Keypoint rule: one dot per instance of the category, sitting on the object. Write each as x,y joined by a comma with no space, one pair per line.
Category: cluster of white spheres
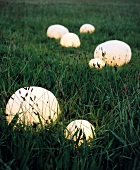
113,52
96,63
32,104
56,31
70,40
87,28
78,129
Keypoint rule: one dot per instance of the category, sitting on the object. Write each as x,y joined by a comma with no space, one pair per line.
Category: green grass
108,98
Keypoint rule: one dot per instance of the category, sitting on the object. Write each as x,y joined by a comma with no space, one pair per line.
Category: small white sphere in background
33,104
77,129
96,63
56,31
113,52
87,28
70,40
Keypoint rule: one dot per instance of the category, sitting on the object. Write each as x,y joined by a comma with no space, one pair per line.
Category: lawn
108,98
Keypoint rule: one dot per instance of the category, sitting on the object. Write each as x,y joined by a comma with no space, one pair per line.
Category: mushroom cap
70,40
73,130
113,52
56,31
33,104
87,28
96,63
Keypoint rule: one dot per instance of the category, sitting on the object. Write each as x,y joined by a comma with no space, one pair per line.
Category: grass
108,98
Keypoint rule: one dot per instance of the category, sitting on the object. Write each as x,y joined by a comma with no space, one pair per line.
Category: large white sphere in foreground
70,40
113,52
32,103
56,31
96,63
74,129
87,28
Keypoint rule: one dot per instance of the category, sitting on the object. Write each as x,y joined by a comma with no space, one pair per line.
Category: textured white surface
87,28
56,31
73,130
32,103
113,52
70,40
96,63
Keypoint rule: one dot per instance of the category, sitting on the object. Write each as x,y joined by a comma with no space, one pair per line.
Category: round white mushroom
113,52
87,28
56,31
78,129
96,63
34,105
70,40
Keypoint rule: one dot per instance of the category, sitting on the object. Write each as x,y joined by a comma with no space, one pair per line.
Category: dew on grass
39,101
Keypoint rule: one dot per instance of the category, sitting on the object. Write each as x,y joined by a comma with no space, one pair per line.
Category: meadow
108,98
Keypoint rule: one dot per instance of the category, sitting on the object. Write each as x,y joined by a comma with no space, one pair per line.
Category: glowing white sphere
74,129
96,63
70,40
113,52
87,28
33,104
56,31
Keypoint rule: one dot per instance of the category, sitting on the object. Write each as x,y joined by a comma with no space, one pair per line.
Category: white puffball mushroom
32,104
113,52
87,28
70,40
96,63
56,31
77,129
